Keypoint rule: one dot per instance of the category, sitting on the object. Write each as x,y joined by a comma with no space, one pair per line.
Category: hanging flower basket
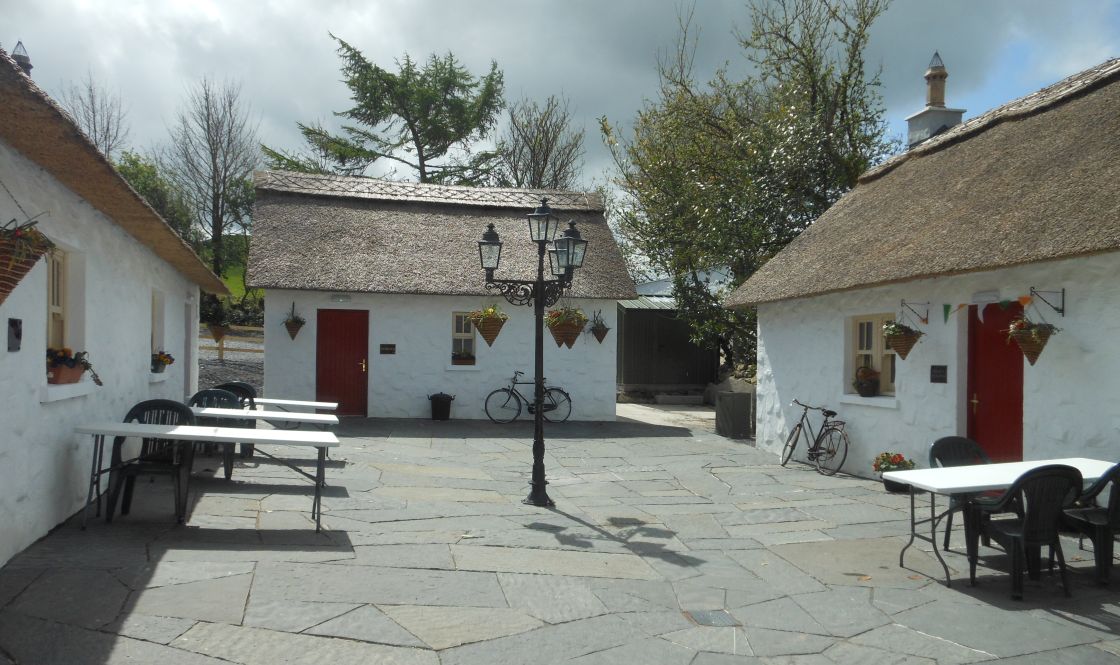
489,321
294,322
565,324
217,331
21,246
599,327
1030,336
901,337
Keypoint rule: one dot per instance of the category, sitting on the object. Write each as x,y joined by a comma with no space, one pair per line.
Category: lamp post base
538,496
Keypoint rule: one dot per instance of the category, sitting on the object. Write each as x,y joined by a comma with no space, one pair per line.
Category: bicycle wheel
502,406
557,405
832,452
791,443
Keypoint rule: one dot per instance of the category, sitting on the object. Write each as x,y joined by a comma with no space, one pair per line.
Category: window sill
462,368
880,402
58,392
157,378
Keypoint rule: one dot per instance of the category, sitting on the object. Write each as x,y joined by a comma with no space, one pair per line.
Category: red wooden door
995,384
341,360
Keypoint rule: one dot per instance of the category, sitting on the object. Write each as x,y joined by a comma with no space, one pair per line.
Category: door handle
975,402
363,364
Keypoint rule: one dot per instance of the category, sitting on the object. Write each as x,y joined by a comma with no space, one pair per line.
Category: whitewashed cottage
120,285
384,273
1016,208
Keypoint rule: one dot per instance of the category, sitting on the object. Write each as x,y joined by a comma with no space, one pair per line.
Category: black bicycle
504,404
827,448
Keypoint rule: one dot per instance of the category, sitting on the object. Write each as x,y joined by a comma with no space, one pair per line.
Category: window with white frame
869,348
56,299
462,339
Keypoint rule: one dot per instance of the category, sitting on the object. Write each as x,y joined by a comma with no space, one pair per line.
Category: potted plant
565,324
21,246
214,314
892,462
1030,336
462,358
65,366
489,321
293,322
599,327
901,337
866,382
160,361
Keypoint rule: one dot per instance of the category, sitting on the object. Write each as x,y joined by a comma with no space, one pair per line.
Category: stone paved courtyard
428,557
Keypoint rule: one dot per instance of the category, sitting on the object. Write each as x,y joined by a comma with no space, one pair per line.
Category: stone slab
256,646
445,627
552,599
551,562
206,600
368,624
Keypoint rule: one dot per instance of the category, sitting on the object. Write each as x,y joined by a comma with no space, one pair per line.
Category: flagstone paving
428,556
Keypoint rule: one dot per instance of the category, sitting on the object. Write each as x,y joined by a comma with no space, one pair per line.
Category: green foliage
725,174
144,175
416,117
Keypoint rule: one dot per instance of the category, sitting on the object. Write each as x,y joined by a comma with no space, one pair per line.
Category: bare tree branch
99,113
540,149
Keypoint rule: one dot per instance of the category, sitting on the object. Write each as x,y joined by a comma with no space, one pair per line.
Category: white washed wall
1070,402
420,326
44,467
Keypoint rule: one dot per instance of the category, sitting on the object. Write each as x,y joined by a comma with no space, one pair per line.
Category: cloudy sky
601,54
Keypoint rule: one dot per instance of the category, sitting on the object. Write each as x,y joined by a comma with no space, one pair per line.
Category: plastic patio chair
1043,494
955,451
1099,523
157,456
247,395
222,399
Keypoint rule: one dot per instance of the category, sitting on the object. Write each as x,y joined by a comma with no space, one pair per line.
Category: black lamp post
565,256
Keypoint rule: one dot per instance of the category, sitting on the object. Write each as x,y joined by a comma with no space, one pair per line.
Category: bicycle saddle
827,413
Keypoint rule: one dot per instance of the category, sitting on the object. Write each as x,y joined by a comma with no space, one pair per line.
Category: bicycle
829,446
504,404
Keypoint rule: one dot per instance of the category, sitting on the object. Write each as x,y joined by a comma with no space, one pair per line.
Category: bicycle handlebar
814,408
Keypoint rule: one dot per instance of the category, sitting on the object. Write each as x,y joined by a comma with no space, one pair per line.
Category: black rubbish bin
733,414
441,406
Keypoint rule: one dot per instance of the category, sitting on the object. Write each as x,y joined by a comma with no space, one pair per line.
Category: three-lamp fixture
565,255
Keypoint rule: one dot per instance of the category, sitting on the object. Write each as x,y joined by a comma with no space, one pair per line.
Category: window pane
468,346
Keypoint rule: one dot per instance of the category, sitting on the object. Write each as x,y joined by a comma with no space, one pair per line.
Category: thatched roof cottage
384,273
1014,213
120,284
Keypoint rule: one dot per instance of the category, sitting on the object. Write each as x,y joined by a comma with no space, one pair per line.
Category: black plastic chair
955,451
247,395
1099,523
1043,494
221,399
157,456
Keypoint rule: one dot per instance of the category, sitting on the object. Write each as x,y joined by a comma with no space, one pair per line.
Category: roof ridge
325,184
1036,102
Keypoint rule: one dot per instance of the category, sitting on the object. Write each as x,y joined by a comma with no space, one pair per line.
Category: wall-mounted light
340,297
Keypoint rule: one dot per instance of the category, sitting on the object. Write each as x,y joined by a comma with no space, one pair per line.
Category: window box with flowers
65,366
160,361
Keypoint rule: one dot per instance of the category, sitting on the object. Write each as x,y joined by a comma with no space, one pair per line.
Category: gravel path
237,366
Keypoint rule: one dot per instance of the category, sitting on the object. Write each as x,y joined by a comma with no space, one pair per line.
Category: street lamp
565,256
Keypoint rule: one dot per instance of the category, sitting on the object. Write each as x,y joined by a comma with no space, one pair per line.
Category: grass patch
234,279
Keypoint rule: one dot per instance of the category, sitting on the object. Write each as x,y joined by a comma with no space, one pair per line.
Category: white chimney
934,118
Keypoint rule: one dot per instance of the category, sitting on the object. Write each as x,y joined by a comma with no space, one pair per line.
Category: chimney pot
19,54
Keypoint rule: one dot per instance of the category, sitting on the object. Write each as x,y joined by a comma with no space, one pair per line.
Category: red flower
897,458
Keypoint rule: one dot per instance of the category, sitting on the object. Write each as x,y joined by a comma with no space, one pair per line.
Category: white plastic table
970,479
320,420
189,434
286,404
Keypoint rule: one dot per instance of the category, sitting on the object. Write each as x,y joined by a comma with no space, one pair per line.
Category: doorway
341,359
995,383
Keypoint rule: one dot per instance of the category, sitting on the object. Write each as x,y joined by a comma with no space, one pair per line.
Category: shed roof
1033,180
32,123
341,233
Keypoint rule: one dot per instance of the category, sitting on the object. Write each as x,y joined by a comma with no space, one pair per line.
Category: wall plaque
939,374
388,349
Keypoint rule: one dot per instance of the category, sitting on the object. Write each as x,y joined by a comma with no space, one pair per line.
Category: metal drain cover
711,618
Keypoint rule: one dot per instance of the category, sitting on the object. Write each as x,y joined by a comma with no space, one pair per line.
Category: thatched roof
32,123
1033,180
336,233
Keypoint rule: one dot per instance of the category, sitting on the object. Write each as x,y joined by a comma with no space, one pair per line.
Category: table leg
913,529
320,480
182,496
94,477
933,536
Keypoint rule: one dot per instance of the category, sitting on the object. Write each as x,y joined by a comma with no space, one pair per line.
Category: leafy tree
424,117
210,159
540,149
725,174
99,113
144,175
